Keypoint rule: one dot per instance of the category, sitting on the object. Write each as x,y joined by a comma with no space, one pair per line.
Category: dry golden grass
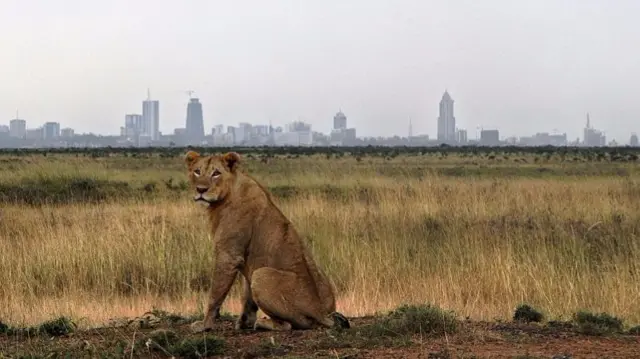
477,245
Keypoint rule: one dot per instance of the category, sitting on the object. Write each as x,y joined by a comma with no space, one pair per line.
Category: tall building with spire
195,123
446,120
593,137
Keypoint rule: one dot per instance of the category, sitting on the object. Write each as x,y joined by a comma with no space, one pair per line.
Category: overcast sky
519,66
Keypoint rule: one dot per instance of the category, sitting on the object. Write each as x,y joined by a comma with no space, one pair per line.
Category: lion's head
212,176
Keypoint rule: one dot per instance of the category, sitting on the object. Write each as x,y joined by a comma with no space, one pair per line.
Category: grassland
97,237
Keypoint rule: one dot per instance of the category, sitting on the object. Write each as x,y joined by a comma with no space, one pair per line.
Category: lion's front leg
223,279
224,275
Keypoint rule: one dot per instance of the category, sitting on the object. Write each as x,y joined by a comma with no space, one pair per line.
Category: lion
253,237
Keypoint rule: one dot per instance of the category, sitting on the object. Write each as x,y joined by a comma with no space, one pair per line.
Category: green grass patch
526,314
62,190
55,328
415,319
597,324
394,329
169,343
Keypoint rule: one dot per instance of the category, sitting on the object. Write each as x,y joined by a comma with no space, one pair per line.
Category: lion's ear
191,157
231,159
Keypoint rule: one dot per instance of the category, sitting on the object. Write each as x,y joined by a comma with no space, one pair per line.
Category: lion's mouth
200,198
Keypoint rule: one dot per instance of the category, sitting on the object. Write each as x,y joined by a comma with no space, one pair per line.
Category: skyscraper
446,120
340,121
51,130
195,122
151,118
593,137
133,126
18,128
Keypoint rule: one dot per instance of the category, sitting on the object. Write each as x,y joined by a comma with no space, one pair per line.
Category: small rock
147,321
197,326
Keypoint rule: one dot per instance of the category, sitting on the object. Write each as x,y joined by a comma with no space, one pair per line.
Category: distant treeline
591,153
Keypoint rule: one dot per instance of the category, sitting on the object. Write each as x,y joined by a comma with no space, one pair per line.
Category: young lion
252,237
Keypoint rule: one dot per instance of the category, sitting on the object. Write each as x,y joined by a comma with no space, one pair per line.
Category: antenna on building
17,114
410,128
588,121
148,94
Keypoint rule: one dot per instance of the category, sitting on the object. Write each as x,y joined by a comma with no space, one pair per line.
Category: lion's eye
197,172
216,173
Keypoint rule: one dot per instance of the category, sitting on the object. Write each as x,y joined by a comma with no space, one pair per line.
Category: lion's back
273,235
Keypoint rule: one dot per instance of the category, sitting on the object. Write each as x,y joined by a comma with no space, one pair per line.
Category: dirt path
474,340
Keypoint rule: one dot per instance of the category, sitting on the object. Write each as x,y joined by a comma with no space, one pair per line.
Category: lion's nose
201,189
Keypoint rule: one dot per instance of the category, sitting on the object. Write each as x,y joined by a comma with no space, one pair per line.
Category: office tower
446,120
151,118
195,122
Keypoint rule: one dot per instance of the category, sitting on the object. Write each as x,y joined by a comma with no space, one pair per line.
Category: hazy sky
520,66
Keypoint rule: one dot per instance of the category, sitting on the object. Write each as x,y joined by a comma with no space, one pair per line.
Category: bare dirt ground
472,340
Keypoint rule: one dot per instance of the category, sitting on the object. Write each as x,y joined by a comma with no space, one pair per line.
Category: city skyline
447,130
151,109
142,130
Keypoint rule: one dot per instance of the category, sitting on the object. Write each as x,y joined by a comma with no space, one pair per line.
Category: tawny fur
254,238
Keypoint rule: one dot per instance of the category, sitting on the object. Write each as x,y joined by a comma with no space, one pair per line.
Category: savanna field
433,249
